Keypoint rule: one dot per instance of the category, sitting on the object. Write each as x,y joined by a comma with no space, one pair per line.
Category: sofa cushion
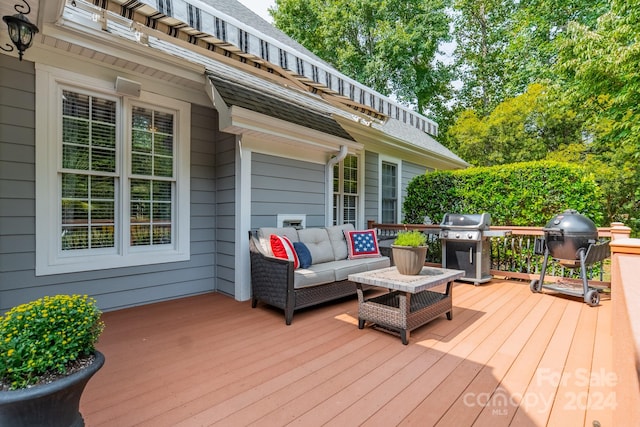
317,240
317,274
362,244
337,239
304,256
282,247
328,272
344,268
264,236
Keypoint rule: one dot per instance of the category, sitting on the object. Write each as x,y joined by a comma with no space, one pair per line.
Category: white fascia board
380,142
104,42
246,120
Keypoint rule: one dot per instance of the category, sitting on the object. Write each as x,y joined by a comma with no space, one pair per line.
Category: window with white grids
113,176
345,191
389,190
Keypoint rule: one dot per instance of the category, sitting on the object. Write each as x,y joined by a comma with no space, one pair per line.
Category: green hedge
525,194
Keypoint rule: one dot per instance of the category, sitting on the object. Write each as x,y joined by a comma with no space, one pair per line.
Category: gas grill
466,246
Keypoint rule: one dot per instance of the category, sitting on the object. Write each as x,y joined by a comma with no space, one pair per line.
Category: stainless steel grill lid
466,221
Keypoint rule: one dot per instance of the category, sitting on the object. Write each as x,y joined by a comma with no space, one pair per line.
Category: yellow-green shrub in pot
409,251
47,356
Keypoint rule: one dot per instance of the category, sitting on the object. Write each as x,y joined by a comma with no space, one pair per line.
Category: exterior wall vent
292,220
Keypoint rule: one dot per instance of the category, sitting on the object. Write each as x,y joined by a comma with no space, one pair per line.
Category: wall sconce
21,31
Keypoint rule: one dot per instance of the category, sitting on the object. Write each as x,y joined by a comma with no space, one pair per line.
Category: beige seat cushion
314,275
346,267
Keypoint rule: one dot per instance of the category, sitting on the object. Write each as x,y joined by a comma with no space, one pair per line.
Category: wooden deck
508,357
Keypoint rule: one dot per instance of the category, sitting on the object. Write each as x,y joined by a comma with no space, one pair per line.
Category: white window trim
360,222
49,259
398,162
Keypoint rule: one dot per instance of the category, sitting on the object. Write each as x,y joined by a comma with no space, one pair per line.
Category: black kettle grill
572,240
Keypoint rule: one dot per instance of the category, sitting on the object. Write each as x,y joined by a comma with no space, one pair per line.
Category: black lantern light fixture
21,30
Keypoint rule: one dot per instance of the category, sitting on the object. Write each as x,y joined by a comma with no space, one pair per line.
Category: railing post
619,231
625,299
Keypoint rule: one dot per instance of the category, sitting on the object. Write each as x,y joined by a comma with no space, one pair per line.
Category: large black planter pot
48,405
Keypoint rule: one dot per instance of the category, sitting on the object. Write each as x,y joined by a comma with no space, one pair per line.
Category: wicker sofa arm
271,278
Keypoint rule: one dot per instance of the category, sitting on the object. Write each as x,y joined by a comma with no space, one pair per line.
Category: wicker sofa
274,281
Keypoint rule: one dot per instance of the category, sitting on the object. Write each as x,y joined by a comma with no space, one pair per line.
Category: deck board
210,360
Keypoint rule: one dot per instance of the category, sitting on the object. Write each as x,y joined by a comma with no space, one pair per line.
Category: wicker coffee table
408,304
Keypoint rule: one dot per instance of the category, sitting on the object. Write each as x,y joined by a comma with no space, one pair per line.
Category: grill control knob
470,236
445,234
457,235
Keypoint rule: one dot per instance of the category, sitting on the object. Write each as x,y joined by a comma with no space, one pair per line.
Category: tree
389,46
599,68
519,129
538,27
481,33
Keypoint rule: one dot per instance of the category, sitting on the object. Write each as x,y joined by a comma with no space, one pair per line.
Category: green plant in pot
47,356
409,251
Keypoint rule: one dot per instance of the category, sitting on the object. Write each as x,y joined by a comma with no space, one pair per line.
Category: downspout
329,184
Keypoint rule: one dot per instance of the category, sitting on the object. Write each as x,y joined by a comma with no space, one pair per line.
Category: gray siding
371,191
225,170
409,171
286,186
17,176
113,288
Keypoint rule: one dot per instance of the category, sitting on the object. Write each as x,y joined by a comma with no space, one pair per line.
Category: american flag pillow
362,244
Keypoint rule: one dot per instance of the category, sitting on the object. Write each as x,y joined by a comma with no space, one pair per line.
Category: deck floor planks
451,351
501,408
364,363
445,391
472,364
574,382
541,391
188,368
467,404
223,363
237,375
603,377
284,404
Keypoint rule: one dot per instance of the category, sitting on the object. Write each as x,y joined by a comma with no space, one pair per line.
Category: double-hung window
389,189
389,179
345,191
112,183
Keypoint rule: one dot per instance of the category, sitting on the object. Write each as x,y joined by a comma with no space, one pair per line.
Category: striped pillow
282,247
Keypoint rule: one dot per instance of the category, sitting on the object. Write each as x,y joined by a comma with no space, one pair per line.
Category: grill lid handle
554,231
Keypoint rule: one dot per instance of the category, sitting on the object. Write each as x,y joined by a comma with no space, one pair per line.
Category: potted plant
47,356
409,251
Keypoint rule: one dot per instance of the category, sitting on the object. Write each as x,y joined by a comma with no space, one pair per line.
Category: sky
260,7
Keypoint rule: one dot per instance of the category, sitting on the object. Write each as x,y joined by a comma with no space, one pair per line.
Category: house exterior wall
17,177
224,210
371,190
286,186
120,287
